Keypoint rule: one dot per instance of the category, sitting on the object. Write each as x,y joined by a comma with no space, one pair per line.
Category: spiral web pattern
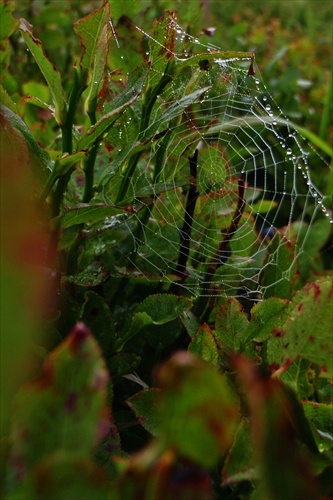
226,184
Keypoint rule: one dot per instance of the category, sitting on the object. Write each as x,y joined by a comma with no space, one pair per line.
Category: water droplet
264,98
289,152
268,107
257,81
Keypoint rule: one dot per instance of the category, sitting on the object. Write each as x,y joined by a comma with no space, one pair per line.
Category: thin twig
185,231
223,252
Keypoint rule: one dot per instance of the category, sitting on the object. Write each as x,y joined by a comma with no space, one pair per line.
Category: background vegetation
244,409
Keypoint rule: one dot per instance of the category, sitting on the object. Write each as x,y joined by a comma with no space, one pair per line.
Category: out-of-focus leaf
155,475
26,283
163,308
203,345
128,7
238,465
65,475
144,405
66,409
306,330
93,33
230,326
51,75
283,465
16,137
8,25
36,89
8,22
198,410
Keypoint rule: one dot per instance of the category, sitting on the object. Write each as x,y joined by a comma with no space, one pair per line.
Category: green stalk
148,103
67,142
89,165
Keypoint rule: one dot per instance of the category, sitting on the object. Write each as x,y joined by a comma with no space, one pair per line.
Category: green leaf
161,45
129,7
264,318
66,409
86,213
280,273
51,75
65,475
93,275
252,121
93,33
320,415
103,124
144,404
175,110
239,464
230,326
67,162
6,100
8,22
138,321
198,411
306,329
190,322
37,102
278,425
163,308
203,345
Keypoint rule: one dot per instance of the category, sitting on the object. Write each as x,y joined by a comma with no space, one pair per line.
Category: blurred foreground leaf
198,410
63,416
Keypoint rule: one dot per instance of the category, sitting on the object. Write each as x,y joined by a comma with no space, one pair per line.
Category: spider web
222,196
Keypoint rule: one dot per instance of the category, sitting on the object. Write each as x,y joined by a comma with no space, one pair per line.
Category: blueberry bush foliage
115,386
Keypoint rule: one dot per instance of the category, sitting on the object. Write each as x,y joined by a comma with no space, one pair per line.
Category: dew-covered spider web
217,187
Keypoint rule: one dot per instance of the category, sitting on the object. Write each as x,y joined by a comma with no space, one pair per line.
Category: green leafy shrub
235,397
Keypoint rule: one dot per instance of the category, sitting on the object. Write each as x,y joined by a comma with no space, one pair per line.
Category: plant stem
89,165
67,142
223,252
185,231
149,101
